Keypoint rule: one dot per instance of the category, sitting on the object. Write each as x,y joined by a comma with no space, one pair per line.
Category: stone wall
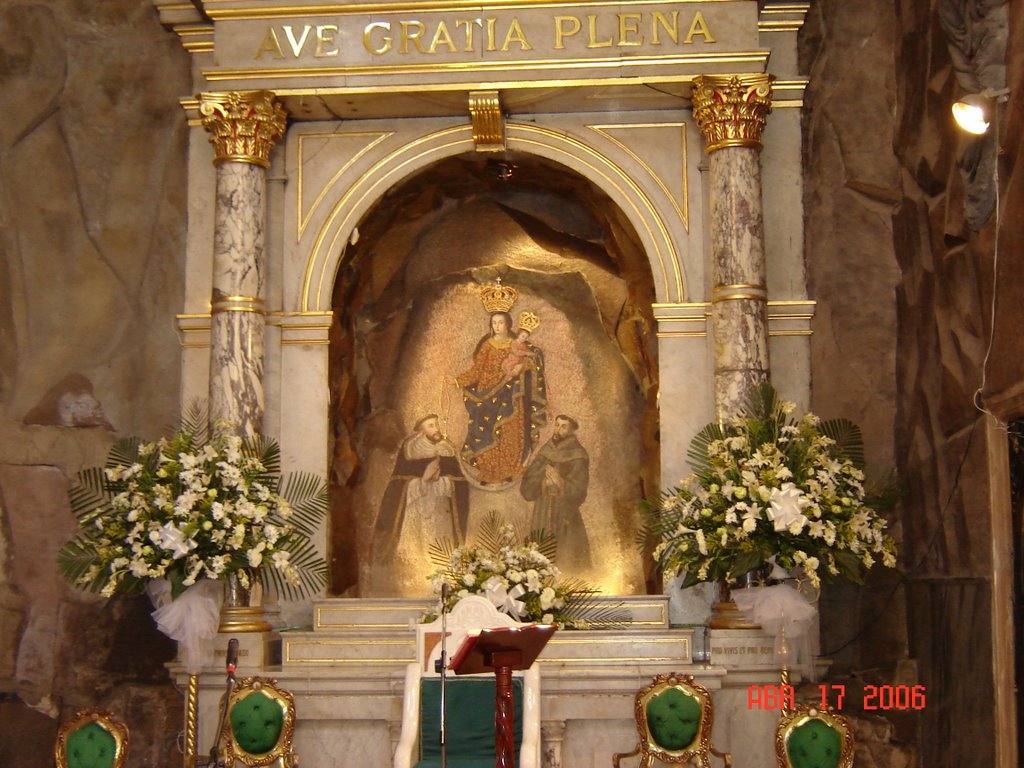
92,223
904,289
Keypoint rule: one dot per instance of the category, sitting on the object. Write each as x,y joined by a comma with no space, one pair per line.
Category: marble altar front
347,672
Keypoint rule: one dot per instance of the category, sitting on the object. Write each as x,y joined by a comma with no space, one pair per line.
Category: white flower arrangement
187,508
767,488
518,575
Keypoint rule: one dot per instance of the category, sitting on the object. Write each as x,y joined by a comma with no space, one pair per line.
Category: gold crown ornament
498,297
528,321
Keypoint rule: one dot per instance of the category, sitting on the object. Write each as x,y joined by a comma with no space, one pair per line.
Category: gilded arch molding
642,206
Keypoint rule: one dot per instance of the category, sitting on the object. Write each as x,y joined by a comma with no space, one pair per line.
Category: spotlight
503,169
975,111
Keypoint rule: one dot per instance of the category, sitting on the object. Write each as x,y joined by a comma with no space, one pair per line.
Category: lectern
502,651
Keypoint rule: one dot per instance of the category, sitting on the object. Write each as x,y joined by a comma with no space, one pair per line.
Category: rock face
92,243
408,299
92,227
900,256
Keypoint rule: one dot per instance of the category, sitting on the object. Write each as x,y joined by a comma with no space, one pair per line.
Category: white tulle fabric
191,619
784,613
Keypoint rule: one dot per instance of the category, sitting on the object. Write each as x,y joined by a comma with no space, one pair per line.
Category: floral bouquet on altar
518,575
770,489
191,507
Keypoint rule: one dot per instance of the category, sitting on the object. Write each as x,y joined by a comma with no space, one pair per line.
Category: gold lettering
561,32
442,37
516,35
671,29
592,41
699,27
629,24
385,41
324,37
469,31
491,43
270,45
297,44
412,32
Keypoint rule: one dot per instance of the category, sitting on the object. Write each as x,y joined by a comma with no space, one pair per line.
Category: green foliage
192,506
505,563
768,487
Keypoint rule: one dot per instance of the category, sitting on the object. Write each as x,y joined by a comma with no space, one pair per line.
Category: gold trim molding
739,292
244,125
731,110
488,121
237,304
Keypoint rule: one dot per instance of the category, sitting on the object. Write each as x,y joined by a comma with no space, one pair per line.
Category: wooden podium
502,651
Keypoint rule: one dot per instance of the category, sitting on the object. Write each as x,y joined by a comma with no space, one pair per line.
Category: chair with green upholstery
469,700
674,717
260,725
809,737
94,738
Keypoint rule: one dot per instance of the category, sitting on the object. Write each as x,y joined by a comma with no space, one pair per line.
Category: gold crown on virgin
529,321
498,297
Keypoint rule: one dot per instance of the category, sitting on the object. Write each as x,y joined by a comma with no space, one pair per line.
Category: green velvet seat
808,737
674,717
91,746
469,721
256,722
92,739
260,724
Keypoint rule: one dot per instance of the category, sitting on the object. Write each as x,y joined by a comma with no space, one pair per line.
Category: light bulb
971,116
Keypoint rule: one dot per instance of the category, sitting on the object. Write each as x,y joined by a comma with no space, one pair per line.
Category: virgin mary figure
504,393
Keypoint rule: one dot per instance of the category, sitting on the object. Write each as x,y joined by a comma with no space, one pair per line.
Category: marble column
730,111
244,127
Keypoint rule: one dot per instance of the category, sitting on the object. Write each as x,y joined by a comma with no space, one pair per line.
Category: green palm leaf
310,568
196,421
849,441
440,552
698,451
309,499
89,493
266,450
491,535
124,452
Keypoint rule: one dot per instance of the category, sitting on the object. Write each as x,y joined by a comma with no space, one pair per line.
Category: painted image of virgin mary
505,397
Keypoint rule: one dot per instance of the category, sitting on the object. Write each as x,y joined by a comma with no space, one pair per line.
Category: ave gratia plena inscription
488,34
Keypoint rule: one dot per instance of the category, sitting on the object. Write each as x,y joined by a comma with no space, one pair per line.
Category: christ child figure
520,351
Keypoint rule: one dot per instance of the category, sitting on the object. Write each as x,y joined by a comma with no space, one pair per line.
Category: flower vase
725,614
242,610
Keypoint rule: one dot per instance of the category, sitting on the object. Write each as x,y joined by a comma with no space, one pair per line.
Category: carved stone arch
655,228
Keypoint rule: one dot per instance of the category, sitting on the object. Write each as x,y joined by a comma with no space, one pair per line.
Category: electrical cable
979,394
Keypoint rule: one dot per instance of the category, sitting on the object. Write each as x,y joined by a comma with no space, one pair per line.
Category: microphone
440,666
232,658
231,664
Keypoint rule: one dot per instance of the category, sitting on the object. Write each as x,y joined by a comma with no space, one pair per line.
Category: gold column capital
244,125
731,109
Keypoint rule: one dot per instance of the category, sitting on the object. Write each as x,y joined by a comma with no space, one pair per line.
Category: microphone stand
216,759
441,666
